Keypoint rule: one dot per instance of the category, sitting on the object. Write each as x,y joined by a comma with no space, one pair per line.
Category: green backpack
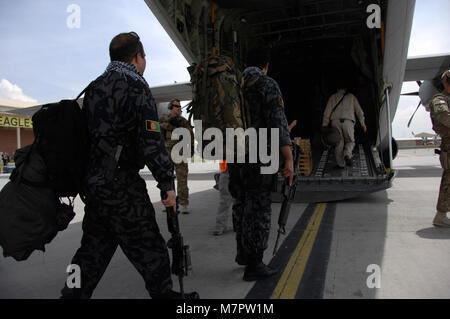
217,98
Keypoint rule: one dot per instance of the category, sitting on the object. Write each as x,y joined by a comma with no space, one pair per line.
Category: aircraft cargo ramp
328,183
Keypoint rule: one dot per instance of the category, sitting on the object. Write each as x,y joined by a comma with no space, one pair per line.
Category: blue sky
429,35
43,60
50,61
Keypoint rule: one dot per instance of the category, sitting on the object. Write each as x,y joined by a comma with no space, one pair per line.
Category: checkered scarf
127,69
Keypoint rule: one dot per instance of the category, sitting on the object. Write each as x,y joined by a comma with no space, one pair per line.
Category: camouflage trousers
132,226
252,209
181,171
443,204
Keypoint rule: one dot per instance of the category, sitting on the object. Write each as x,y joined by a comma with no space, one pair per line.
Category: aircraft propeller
414,94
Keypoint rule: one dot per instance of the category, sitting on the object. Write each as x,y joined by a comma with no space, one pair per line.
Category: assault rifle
181,257
288,193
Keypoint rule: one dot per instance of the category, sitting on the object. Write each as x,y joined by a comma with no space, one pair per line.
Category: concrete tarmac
381,245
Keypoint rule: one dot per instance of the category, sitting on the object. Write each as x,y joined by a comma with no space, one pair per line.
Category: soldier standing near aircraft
440,116
168,124
251,189
226,200
124,136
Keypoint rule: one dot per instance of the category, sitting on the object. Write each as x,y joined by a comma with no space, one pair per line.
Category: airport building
16,127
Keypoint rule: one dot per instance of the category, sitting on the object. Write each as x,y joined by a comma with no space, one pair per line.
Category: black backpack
31,212
61,138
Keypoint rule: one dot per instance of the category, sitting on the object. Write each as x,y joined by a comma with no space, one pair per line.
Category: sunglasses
446,74
176,105
135,35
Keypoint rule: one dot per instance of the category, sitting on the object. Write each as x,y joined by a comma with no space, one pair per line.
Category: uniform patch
152,126
439,104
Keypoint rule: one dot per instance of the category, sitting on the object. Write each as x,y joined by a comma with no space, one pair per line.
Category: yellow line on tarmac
290,280
406,155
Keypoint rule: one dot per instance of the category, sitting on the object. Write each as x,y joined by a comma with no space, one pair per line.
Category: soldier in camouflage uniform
169,123
251,189
440,116
124,136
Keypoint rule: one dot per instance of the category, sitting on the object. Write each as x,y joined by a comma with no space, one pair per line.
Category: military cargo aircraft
313,44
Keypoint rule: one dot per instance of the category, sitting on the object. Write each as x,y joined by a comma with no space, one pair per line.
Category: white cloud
13,92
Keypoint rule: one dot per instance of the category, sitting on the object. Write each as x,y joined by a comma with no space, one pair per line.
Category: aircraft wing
161,94
429,70
181,91
426,67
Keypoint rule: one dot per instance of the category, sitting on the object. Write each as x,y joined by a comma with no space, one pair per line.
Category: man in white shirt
341,109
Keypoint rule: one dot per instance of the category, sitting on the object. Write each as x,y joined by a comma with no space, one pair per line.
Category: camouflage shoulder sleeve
440,109
164,118
164,122
276,114
152,145
439,103
166,128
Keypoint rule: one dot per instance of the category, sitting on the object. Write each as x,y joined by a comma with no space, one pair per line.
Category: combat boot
241,257
176,295
184,209
219,230
441,220
348,160
258,271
